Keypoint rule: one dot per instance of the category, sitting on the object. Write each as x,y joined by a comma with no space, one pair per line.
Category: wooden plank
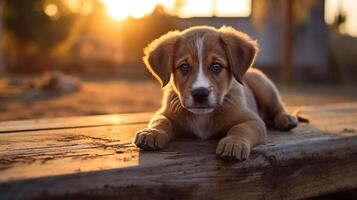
99,120
72,122
100,162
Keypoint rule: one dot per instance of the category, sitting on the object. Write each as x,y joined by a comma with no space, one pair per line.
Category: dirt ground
123,96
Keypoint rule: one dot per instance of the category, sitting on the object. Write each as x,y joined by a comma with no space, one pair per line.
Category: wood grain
72,122
100,162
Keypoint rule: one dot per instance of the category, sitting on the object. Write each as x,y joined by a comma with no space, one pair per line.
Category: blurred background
83,57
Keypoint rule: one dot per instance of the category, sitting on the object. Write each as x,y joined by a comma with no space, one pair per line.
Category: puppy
211,91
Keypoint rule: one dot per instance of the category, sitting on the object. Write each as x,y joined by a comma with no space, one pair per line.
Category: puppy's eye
184,68
216,67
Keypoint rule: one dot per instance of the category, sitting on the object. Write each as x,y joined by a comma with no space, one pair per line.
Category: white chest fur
201,126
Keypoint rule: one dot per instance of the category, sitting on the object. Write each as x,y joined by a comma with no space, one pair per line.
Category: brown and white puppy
211,91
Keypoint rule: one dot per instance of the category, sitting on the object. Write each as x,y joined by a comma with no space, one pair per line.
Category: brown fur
240,98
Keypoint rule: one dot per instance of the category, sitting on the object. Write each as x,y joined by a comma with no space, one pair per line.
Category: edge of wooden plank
73,122
113,119
274,171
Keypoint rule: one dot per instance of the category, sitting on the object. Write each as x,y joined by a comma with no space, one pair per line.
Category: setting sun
120,10
117,9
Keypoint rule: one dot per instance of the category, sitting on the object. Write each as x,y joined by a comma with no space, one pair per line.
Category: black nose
200,95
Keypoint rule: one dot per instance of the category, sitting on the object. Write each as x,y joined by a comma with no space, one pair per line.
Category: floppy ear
240,50
158,56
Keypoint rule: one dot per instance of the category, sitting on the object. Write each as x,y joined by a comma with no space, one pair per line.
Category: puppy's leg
269,101
241,138
157,135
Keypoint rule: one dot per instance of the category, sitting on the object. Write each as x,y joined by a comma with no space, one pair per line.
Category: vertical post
2,56
287,50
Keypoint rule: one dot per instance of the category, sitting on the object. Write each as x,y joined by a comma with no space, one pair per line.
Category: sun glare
51,10
120,10
116,9
219,8
333,7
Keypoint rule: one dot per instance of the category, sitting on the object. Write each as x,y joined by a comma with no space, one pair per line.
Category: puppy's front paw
151,139
233,148
285,122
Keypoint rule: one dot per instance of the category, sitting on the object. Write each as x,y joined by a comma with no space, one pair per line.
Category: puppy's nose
200,95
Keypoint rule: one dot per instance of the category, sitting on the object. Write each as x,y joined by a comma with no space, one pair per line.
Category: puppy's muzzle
200,95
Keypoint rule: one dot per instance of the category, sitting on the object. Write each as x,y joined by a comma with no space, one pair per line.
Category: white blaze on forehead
201,80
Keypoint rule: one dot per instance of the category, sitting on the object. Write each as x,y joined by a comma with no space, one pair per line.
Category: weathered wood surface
54,159
72,122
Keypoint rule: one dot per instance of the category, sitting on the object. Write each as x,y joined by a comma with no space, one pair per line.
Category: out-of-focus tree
32,26
82,10
39,31
137,33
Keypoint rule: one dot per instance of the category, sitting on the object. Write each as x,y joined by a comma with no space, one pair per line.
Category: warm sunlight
333,7
120,10
219,8
51,10
117,9
229,8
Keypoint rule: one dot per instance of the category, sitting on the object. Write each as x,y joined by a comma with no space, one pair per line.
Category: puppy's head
201,63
